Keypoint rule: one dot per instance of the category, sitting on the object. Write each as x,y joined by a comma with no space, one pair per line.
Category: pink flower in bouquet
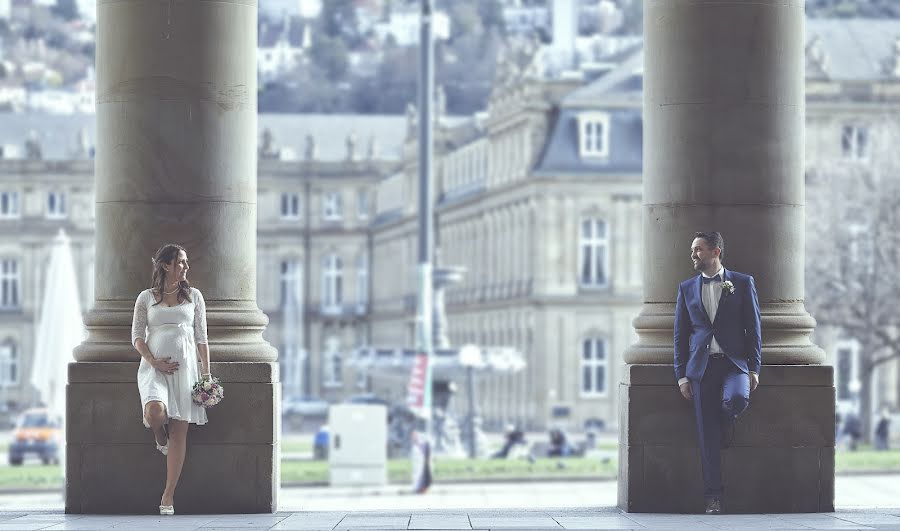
204,397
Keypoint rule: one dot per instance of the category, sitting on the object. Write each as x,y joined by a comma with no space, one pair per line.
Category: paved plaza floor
863,502
568,518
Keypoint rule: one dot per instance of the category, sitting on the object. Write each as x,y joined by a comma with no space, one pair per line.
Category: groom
717,352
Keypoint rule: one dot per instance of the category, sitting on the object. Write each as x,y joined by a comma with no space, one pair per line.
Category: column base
781,461
112,465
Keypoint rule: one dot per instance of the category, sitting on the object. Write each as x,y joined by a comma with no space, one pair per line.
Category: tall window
331,283
594,367
362,282
10,282
56,205
846,378
593,133
290,206
9,363
331,207
594,253
291,282
855,142
844,373
333,362
362,203
9,205
291,361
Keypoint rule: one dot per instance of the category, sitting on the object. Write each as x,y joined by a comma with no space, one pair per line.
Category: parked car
36,432
307,406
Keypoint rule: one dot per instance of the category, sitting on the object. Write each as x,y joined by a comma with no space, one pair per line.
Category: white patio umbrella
60,329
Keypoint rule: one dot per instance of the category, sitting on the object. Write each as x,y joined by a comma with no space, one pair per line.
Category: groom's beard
700,265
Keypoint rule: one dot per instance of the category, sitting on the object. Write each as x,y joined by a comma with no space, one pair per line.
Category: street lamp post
425,344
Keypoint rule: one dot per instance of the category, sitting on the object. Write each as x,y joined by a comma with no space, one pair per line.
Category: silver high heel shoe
167,510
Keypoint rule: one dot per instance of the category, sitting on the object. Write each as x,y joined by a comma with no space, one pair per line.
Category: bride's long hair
167,255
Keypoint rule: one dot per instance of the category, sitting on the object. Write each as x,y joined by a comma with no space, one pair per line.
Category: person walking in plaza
169,332
718,345
883,431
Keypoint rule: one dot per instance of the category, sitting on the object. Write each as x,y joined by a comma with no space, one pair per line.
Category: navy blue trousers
719,398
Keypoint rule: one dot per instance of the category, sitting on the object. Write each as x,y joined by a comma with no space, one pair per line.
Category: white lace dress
171,332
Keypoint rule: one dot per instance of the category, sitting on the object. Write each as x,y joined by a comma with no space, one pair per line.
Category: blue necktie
707,280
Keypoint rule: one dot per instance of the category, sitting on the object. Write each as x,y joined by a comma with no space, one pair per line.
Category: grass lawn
867,460
295,445
463,469
30,477
34,476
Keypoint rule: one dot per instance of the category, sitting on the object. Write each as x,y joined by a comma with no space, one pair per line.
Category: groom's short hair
713,240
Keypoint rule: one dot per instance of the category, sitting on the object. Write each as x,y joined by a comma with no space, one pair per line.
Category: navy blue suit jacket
736,328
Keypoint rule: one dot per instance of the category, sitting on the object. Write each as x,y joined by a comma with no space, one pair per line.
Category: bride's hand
165,366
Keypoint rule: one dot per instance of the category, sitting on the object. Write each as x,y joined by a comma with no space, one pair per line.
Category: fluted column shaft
176,162
723,150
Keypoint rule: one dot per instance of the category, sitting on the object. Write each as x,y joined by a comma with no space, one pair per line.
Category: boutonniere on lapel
727,288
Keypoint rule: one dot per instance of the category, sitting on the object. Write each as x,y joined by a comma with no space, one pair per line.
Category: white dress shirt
710,293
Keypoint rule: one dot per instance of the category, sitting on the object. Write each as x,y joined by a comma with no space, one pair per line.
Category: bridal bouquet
208,392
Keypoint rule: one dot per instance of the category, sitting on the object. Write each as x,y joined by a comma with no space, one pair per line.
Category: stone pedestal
113,467
723,151
176,163
781,461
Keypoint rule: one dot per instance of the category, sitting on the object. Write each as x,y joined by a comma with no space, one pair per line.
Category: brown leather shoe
713,506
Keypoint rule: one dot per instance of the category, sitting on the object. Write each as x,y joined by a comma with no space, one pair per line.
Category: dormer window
593,135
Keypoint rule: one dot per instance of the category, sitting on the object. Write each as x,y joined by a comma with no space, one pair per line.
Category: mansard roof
58,134
856,49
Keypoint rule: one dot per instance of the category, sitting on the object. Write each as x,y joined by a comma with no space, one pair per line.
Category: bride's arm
200,332
203,351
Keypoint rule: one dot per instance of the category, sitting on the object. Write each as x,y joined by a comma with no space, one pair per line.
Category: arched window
291,282
332,279
362,282
332,361
332,208
9,363
290,206
594,250
56,205
10,282
594,367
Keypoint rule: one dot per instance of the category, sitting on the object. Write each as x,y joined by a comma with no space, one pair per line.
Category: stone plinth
113,467
781,461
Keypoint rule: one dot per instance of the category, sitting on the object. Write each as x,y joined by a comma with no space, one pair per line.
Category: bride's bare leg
155,413
175,459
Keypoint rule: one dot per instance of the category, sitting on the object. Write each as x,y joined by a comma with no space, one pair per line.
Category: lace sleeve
139,321
199,318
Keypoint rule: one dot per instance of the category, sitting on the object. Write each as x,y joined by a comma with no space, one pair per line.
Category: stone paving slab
477,519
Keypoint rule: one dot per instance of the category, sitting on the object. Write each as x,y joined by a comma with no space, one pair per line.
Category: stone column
724,145
176,162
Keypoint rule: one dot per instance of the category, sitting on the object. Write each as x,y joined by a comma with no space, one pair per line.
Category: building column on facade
176,162
724,146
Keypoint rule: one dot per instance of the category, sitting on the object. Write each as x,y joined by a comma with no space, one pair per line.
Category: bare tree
853,247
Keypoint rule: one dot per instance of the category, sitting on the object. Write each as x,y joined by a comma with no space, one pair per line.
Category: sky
277,7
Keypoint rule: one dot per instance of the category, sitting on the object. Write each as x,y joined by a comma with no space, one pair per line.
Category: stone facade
514,186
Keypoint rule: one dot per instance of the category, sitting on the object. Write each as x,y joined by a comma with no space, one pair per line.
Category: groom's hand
754,381
686,391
